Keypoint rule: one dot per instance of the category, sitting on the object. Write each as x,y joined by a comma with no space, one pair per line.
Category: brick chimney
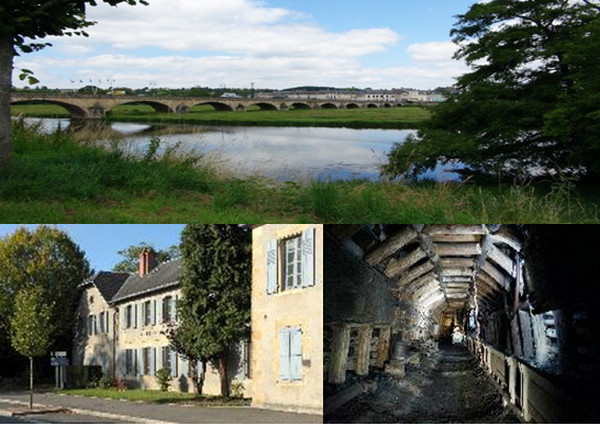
147,261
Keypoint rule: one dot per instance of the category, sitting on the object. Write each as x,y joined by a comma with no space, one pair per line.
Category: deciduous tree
31,327
131,256
529,102
23,26
214,311
48,259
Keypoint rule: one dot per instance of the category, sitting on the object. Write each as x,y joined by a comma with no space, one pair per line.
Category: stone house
287,317
121,321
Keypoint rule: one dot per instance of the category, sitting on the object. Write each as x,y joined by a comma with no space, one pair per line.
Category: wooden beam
456,238
496,274
457,272
421,281
414,273
397,266
457,262
391,246
454,229
502,260
338,361
365,333
383,349
457,249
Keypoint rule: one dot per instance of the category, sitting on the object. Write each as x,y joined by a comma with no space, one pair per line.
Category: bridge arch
352,106
372,106
76,112
329,105
301,105
266,106
218,106
157,106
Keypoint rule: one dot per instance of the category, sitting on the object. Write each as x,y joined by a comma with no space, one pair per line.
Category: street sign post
58,360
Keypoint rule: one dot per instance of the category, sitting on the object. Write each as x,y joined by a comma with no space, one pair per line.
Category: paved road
135,412
50,417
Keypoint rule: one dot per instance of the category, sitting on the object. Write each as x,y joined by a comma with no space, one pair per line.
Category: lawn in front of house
159,397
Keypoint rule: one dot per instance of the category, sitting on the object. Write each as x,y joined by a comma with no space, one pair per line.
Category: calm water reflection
282,153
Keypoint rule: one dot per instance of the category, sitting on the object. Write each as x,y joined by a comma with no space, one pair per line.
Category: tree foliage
48,260
531,99
131,256
214,311
24,24
31,324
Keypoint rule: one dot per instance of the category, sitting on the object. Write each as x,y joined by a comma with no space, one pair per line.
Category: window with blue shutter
159,312
308,257
290,354
284,354
154,363
295,354
173,357
135,315
184,371
272,267
154,312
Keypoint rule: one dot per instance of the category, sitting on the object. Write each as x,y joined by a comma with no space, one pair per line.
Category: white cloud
183,43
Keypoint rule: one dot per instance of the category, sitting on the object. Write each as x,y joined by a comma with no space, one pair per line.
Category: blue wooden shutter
184,366
140,363
175,313
272,262
284,354
135,315
153,312
159,311
308,257
295,354
173,356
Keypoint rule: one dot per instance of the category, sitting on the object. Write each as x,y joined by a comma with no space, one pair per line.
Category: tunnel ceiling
443,268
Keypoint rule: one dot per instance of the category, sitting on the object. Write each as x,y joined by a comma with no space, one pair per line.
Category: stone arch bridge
96,106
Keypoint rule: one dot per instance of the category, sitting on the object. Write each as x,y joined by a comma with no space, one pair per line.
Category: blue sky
271,43
102,242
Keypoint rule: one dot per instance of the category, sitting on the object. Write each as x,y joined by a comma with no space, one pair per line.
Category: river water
282,153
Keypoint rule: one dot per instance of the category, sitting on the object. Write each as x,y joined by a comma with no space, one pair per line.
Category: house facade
287,317
123,330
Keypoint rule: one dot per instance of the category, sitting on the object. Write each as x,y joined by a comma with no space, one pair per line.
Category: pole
30,382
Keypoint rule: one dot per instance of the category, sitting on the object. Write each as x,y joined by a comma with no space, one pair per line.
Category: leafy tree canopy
214,311
31,324
530,103
131,256
48,259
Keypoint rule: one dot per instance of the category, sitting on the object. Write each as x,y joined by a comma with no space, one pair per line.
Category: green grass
55,179
158,397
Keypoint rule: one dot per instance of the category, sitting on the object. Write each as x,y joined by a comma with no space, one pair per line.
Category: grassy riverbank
403,117
55,179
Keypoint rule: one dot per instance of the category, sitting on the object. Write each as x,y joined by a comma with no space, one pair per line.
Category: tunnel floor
448,387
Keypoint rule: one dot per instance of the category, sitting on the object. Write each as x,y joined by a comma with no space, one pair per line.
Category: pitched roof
107,283
165,275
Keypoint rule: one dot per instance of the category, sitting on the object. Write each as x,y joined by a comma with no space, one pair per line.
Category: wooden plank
455,272
456,238
414,273
457,249
502,260
391,246
496,274
383,350
363,350
338,360
421,281
397,266
454,229
457,262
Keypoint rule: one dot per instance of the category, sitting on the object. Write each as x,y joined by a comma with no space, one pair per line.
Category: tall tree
214,311
131,256
47,258
31,327
23,26
527,104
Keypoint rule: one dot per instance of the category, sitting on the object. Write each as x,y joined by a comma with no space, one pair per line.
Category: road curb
83,411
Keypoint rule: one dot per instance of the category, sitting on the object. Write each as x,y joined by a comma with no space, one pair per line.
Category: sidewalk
140,412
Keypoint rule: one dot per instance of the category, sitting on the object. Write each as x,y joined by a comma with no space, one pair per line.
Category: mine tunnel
461,324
